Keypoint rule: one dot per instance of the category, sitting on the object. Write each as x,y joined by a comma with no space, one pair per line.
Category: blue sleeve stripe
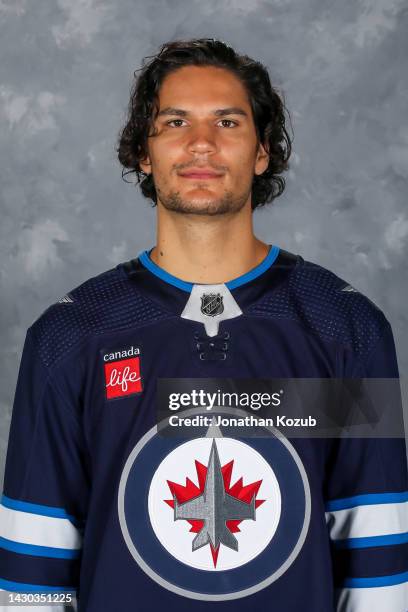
369,542
21,587
39,551
378,581
22,506
366,500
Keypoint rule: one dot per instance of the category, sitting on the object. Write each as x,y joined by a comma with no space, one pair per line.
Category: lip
200,173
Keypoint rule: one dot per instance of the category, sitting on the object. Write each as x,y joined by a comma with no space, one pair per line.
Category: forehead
202,86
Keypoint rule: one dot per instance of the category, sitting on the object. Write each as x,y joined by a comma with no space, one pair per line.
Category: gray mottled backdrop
66,70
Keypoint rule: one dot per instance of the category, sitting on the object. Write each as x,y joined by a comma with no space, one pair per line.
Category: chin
203,202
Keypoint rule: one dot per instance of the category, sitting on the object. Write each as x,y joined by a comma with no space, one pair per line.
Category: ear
146,165
262,160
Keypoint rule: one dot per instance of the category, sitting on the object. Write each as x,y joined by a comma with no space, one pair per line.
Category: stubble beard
227,204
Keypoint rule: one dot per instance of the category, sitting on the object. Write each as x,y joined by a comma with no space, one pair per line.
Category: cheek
244,166
167,145
241,154
164,156
161,162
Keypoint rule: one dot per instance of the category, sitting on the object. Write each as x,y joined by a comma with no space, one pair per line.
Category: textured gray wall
66,72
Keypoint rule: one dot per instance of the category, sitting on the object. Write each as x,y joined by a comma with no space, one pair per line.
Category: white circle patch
252,535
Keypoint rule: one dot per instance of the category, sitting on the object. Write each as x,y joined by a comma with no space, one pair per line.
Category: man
100,500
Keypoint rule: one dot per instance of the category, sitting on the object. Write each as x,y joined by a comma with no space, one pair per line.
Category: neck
207,249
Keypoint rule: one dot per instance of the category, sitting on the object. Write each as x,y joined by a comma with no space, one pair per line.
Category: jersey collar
172,293
266,263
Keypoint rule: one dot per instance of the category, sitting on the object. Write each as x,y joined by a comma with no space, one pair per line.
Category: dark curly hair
267,106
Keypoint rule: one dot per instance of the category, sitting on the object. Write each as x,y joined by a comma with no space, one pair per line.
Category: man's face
205,153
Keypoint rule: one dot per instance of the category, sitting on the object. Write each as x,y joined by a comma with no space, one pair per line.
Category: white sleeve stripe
37,530
23,506
377,599
368,521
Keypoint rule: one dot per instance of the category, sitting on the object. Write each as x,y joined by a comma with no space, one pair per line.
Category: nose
201,139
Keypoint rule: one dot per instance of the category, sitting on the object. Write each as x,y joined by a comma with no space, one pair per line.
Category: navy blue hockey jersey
98,502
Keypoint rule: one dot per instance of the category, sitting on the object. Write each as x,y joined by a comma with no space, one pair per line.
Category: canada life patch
122,370
214,518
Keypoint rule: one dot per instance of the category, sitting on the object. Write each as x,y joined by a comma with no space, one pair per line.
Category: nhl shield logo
212,304
214,518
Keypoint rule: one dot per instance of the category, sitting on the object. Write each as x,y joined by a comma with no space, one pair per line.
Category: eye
174,121
230,121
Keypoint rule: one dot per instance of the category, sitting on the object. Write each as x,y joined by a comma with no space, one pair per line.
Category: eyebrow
219,112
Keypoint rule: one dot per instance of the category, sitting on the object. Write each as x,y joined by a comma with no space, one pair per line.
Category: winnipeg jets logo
232,515
214,509
214,518
212,304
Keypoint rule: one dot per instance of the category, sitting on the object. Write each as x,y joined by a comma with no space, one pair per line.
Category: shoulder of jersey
104,303
325,305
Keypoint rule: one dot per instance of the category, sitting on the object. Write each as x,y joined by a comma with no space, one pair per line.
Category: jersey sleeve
367,509
46,485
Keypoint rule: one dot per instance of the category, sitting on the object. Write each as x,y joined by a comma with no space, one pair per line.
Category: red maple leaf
240,491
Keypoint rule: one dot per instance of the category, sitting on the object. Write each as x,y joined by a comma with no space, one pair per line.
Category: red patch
123,377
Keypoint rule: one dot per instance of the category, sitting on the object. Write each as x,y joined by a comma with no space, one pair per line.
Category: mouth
201,175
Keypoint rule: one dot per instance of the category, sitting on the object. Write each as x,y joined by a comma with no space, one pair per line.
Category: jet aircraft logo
214,509
214,517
